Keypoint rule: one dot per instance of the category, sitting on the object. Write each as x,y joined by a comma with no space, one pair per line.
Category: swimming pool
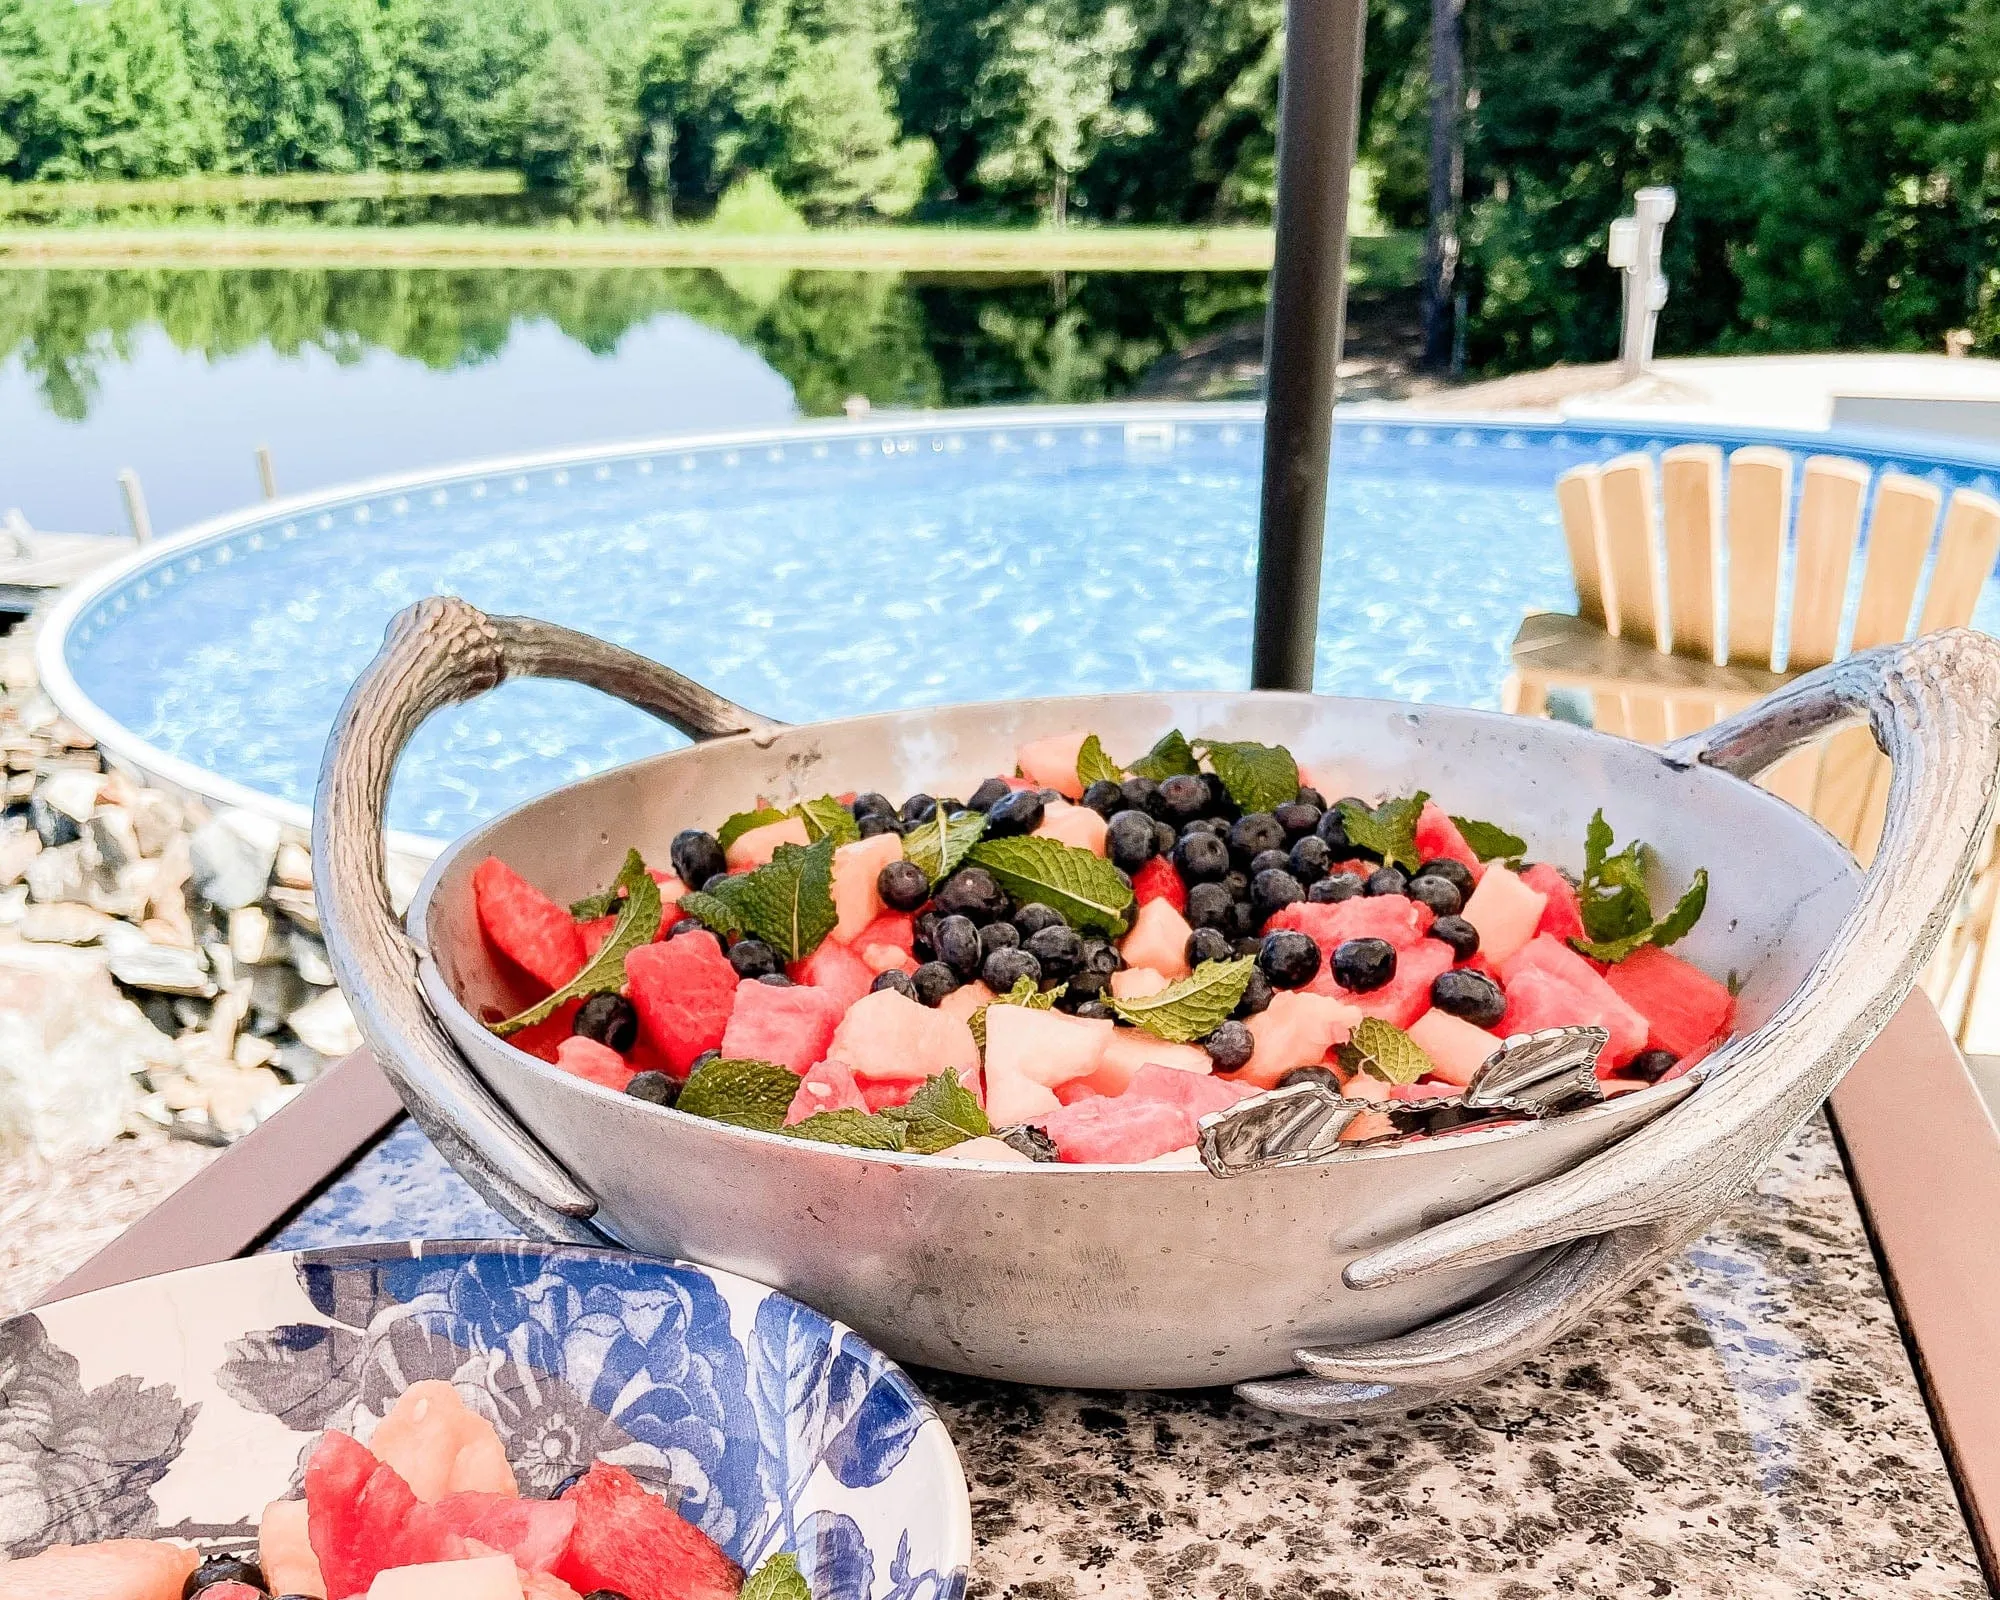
824,571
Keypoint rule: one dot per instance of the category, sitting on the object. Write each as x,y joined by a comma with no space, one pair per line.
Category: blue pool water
947,559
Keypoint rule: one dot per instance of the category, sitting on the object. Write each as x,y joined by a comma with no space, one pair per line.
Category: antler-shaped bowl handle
1934,707
439,652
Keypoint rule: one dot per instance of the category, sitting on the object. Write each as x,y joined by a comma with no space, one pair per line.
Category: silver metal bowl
1388,1275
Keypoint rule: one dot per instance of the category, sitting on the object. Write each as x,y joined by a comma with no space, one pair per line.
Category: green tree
574,134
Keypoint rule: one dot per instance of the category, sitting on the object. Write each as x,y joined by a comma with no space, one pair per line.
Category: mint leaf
1390,829
1194,1007
1612,899
746,1094
939,844
826,817
1383,1050
849,1127
1023,993
1088,890
778,1578
744,821
1488,840
788,902
1259,777
604,972
1094,766
1171,757
1674,925
592,907
939,1115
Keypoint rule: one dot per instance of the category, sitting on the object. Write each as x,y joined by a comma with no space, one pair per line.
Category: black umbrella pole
1302,336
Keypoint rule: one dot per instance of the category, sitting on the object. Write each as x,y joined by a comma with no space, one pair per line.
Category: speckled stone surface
1745,1425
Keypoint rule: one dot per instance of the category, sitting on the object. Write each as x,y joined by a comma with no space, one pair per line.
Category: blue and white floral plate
178,1406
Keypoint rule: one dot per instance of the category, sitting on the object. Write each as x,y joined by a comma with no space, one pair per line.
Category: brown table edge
1923,1156
243,1196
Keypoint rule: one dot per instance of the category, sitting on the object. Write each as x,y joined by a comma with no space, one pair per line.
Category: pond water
347,374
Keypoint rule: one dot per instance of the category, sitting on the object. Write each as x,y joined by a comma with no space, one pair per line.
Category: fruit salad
1083,958
428,1509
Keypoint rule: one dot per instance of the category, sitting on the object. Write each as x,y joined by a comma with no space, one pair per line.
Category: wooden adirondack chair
1681,579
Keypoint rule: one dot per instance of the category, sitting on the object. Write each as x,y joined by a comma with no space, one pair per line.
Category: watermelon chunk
1405,997
356,1511
889,1036
1438,837
284,1550
543,1039
534,933
1394,917
1455,1046
828,1086
533,1533
1159,940
837,969
856,900
684,990
112,1569
440,1446
594,1063
1124,1129
232,1590
1505,911
1050,763
1074,1090
790,1026
631,1540
1562,917
1130,1049
1549,953
966,999
755,846
1685,1009
1157,880
1539,998
1296,1029
1136,983
1076,826
1046,1047
1198,1093
878,1094
475,1578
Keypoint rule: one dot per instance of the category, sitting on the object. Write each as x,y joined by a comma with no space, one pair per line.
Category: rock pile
159,963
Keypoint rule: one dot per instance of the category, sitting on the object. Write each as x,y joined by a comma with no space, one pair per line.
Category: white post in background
135,505
1635,248
267,474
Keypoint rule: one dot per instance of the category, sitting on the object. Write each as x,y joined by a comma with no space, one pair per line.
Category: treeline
1838,161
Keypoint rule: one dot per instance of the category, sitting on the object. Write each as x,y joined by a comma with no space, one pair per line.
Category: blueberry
1237,883
224,1569
1298,1075
753,958
1455,873
1034,916
1201,857
1242,921
902,886
1247,946
685,925
1332,832
1253,833
1219,803
1096,1011
1471,995
1206,944
1310,859
1019,812
989,791
1105,798
610,1019
568,1483
1256,995
696,856
1387,880
957,944
1310,796
998,936
1208,905
1164,838
1298,818
1214,825
710,885
1131,840
1101,957
1461,935
777,980
1141,794
1363,965
605,1594
1267,861
934,980
972,892
921,930
702,1060
1085,985
897,979
872,804
1005,968
1052,797
655,1088
1059,952
1290,960
1334,888
1652,1065
1271,891
1230,1046
918,808
871,825
1427,888
1182,798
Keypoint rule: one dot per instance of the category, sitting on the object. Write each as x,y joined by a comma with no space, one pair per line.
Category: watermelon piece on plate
630,1540
532,1533
684,990
357,1509
1076,826
1539,998
1401,921
1124,1129
284,1551
112,1569
594,1062
791,1026
878,1094
1159,940
233,1590
1407,996
836,969
856,900
1045,1047
1685,1009
1076,1089
1505,911
491,1577
1550,954
1198,1093
1157,880
438,1444
1050,763
1130,1049
534,933
1438,838
1562,917
1456,1047
827,1086
886,1036
1296,1029
543,1039
754,847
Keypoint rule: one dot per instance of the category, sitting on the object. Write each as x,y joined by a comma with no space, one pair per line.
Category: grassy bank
42,199
1377,258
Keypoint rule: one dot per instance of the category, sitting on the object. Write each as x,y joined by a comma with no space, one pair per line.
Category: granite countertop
1747,1424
